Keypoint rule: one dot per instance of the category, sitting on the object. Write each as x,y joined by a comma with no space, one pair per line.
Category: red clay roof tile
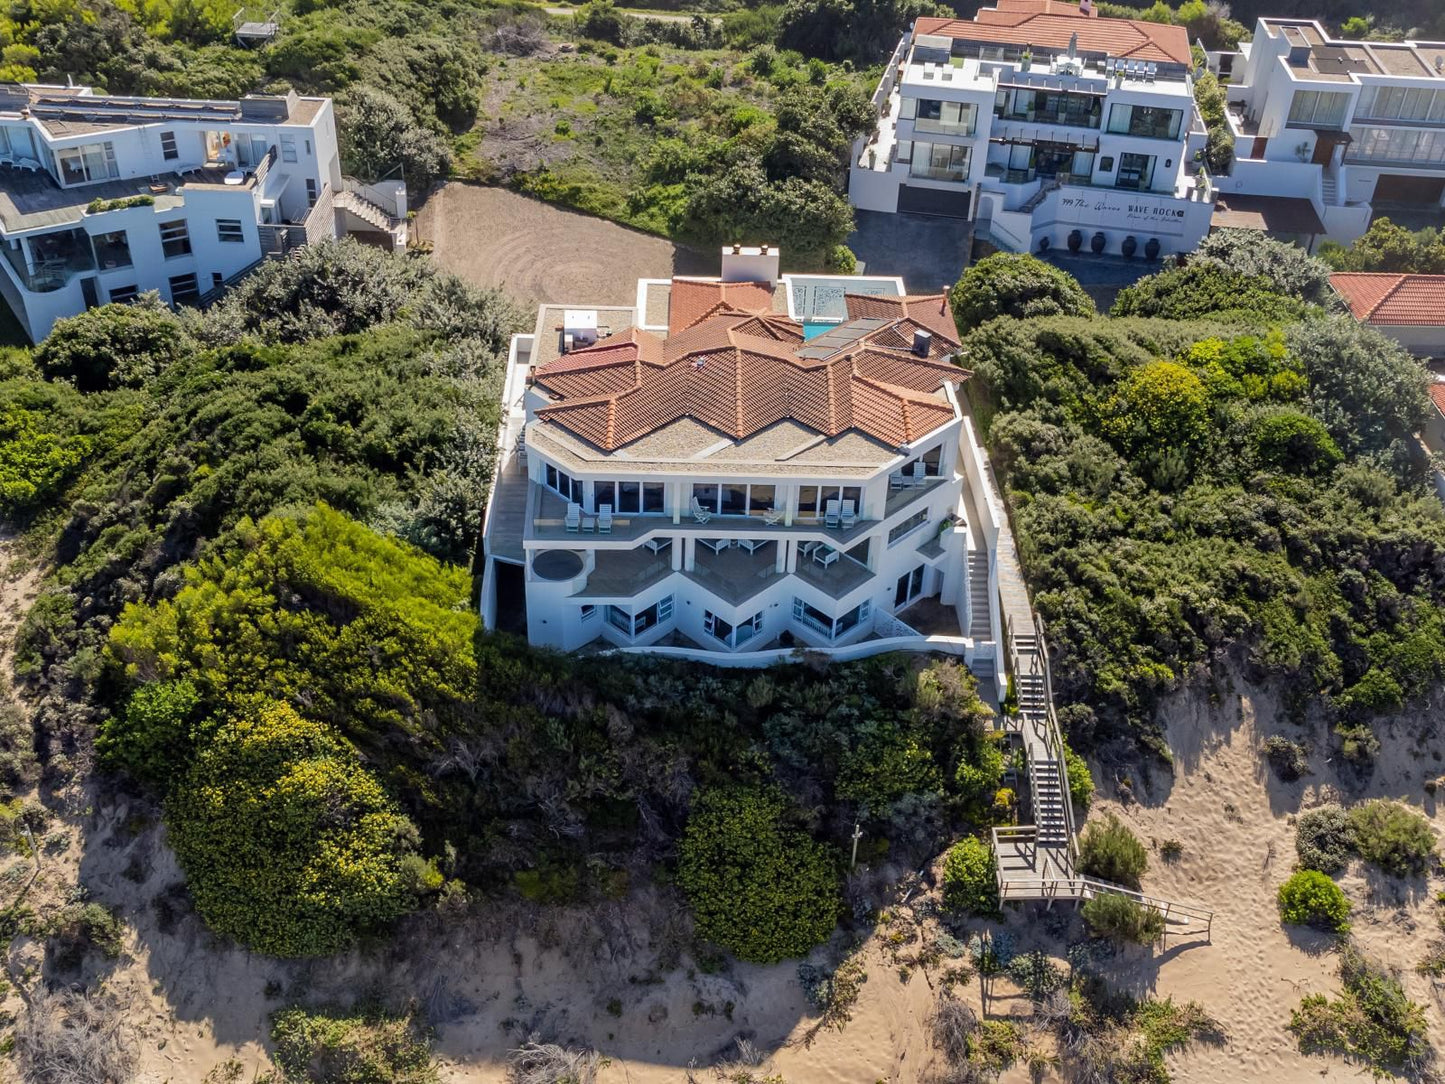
693,300
1131,38
1393,299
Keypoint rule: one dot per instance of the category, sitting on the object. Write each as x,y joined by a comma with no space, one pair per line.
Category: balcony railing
938,173
941,127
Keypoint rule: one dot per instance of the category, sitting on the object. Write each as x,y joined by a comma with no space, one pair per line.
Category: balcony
732,573
549,513
899,499
835,580
624,573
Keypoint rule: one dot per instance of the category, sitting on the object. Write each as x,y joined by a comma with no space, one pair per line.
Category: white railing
948,645
381,198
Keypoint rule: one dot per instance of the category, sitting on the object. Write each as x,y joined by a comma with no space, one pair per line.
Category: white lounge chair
849,516
832,514
604,519
825,555
717,545
920,473
773,516
699,513
574,517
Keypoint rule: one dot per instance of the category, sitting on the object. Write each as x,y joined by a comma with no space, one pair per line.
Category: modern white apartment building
104,197
1047,126
704,472
1353,126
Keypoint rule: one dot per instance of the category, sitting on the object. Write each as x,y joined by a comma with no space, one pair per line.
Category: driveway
928,252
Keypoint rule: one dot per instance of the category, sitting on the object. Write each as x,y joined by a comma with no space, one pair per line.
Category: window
632,498
112,250
1397,103
588,613
731,635
909,587
216,279
175,238
904,153
169,150
734,498
1408,146
634,625
288,148
949,118
122,294
184,290
898,530
1050,107
310,192
89,162
228,231
931,460
1106,164
1148,121
831,628
939,162
1318,108
1136,171
564,484
813,500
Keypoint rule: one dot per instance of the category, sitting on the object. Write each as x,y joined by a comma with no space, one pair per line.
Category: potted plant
1076,240
1151,249
1129,247
1097,243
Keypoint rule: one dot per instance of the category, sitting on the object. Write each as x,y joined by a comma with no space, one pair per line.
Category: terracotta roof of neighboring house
1393,299
1131,38
1043,7
1437,395
694,299
740,372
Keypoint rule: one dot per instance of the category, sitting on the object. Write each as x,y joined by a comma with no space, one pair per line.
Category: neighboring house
715,470
1355,127
1408,308
105,197
1047,126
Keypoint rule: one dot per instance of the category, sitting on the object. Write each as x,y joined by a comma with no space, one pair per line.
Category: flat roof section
1271,214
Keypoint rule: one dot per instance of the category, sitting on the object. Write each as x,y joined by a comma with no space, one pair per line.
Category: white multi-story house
739,464
1354,126
103,197
1047,126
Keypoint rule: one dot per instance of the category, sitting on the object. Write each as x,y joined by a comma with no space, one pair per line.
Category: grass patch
1371,1019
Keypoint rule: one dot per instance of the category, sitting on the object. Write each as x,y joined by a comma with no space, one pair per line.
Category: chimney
743,263
922,342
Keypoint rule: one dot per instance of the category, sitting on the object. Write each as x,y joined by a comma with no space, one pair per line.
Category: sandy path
538,252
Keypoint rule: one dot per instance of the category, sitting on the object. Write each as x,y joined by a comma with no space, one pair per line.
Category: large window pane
761,498
705,495
734,500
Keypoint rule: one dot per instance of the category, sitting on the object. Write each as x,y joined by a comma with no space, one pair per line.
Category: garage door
933,201
1409,189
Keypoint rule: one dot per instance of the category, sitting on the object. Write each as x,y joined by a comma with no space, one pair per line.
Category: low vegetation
1324,839
1371,1019
366,1045
1310,898
1109,851
1393,836
1289,759
1123,919
970,884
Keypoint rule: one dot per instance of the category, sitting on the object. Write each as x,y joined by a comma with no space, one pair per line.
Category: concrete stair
364,209
978,620
1329,190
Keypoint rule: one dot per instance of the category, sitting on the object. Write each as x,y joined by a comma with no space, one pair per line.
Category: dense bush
1081,782
1018,285
1310,898
759,888
1371,1019
112,345
1393,836
1386,246
363,1046
1324,839
970,884
1205,289
1110,852
1288,267
1288,758
289,845
1122,919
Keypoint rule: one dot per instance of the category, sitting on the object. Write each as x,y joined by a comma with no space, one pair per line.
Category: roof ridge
1400,278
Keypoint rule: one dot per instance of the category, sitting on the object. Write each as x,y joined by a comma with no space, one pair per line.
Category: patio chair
920,473
699,513
806,549
849,516
832,514
895,480
604,519
574,517
717,545
773,516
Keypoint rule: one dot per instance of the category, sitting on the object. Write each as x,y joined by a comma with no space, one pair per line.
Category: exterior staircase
1329,190
1042,194
978,616
374,207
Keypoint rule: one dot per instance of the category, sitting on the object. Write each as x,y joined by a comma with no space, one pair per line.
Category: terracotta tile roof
1437,395
696,299
927,311
1134,39
739,373
1045,7
1393,299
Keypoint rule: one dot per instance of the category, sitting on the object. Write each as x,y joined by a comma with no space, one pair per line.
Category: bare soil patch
538,252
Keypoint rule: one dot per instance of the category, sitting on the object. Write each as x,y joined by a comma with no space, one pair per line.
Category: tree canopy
1017,285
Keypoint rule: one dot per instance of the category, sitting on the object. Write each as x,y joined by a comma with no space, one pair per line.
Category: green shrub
1371,1019
759,888
842,260
1324,839
1122,919
1110,852
1393,836
363,1046
970,884
289,845
1017,285
1081,782
82,926
1310,898
1288,758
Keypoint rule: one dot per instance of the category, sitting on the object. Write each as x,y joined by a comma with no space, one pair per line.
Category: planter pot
1097,243
1151,249
1076,240
1129,247
1043,244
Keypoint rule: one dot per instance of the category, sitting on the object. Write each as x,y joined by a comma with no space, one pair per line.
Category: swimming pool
812,329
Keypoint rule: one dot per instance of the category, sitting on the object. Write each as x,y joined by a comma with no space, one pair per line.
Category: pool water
812,329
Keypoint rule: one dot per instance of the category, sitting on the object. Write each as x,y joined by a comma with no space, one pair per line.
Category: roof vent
698,363
922,342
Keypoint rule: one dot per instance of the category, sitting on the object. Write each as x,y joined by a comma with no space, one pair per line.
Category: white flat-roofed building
716,477
1046,126
103,198
1357,127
